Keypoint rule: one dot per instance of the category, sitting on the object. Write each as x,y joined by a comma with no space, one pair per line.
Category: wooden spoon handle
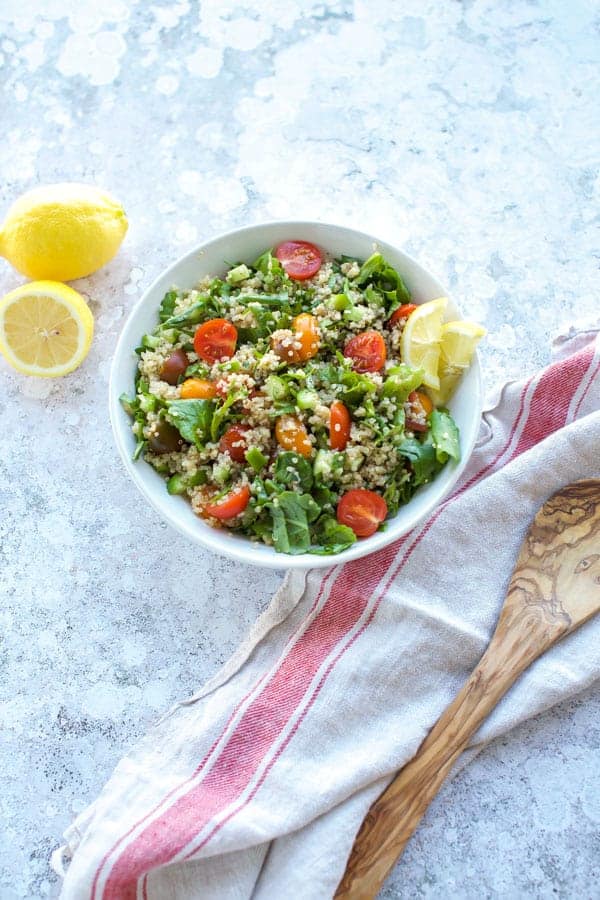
394,816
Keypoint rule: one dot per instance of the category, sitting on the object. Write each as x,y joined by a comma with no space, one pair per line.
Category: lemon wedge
458,343
420,342
46,329
62,231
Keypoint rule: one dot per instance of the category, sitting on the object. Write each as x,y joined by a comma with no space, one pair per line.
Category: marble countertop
464,131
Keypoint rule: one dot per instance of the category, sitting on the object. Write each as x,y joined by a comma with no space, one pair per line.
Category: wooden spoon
555,587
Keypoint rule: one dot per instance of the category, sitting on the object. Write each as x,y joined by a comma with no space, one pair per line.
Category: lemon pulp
45,329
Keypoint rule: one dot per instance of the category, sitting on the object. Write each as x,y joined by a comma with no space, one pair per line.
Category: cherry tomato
233,442
215,340
292,435
174,366
363,511
403,312
198,389
420,406
304,343
300,259
367,351
231,505
339,426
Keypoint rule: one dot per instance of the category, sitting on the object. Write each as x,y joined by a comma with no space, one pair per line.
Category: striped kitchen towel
256,786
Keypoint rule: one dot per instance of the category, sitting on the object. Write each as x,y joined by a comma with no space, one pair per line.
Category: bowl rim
222,542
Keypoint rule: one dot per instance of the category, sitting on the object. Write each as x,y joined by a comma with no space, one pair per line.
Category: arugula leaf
192,418
222,412
331,537
291,468
268,264
291,515
386,279
371,267
195,314
399,490
422,457
130,404
400,381
444,436
167,306
355,387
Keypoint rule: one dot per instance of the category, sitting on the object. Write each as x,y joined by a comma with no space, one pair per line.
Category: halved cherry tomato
300,259
215,340
420,406
403,312
198,389
363,511
231,505
339,426
304,343
234,443
367,351
174,366
292,435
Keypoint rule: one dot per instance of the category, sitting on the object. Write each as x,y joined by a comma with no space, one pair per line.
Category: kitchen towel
256,786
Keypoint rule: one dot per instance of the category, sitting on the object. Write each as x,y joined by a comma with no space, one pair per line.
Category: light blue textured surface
467,132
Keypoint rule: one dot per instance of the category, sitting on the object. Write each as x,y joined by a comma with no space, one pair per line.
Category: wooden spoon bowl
555,588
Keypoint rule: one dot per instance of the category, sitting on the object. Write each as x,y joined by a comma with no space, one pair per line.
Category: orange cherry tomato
215,340
363,511
198,389
304,342
292,435
403,312
234,443
300,259
339,426
420,406
367,351
231,505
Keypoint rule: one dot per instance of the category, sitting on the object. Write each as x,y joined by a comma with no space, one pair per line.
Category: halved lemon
457,347
46,329
420,342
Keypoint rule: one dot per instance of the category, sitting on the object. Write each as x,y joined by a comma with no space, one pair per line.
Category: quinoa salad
278,401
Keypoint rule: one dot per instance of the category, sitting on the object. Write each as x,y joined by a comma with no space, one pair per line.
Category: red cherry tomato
420,406
234,443
231,505
363,511
300,259
339,426
403,312
367,351
215,340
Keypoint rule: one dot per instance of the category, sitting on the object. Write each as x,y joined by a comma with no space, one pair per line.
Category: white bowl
245,245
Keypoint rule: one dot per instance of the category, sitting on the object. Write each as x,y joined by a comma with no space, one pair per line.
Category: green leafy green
268,264
444,436
422,457
203,308
385,279
139,449
129,404
222,412
293,469
331,537
292,513
167,306
192,418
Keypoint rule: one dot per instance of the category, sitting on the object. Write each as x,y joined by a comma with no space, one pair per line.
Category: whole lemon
62,231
